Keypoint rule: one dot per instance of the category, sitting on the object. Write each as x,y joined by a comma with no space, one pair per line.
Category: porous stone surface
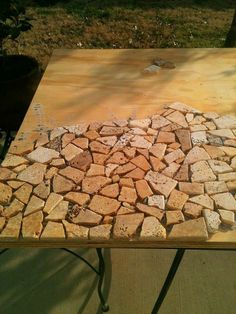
167,176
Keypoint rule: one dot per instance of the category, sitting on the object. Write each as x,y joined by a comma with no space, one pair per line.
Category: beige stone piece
42,140
136,174
158,150
128,195
157,200
191,230
115,178
110,168
88,218
137,131
12,228
171,127
61,184
42,190
210,125
42,155
225,133
107,140
165,137
216,187
126,226
5,194
7,174
35,204
2,223
111,190
14,208
104,205
160,183
98,147
189,117
59,163
52,201
125,168
92,135
157,164
176,200
15,184
125,210
32,226
182,107
73,174
171,170
71,151
151,131
81,142
122,142
12,161
201,172
159,122
174,145
20,168
66,139
109,131
231,185
225,201
192,210
99,159
171,157
109,123
225,122
174,217
121,122
230,142
53,230
78,129
59,212
21,147
51,173
184,139
152,229
129,152
102,232
191,188
196,154
77,198
141,123
143,189
144,152
199,138
140,142
229,151
82,161
183,173
126,182
178,118
227,217
57,132
149,210
23,193
230,176
203,200
210,115
212,219
198,127
117,158
92,185
213,151
33,174
74,231
141,162
233,163
95,170
198,119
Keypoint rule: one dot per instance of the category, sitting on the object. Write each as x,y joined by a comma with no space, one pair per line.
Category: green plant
13,21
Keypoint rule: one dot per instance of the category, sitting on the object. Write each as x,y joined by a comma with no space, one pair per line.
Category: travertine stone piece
77,198
66,139
183,173
136,174
14,208
203,200
196,154
191,188
33,174
165,137
215,187
225,122
225,133
178,118
143,189
52,201
104,205
128,195
61,184
87,217
212,219
126,226
158,150
15,184
192,210
12,161
43,155
73,174
92,185
141,162
213,151
111,190
174,217
82,161
171,170
219,166
71,151
35,204
42,140
12,228
101,232
109,131
184,139
149,210
176,154
152,230
57,132
59,212
53,230
7,174
77,129
201,172
5,194
225,201
160,183
74,231
108,140
157,200
95,170
230,176
140,142
159,122
176,200
227,217
42,190
32,226
23,193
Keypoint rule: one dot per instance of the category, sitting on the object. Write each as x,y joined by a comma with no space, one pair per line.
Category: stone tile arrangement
170,176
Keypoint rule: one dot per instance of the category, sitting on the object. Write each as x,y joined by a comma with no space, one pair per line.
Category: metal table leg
174,267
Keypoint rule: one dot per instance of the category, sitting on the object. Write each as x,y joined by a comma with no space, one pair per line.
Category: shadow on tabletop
39,280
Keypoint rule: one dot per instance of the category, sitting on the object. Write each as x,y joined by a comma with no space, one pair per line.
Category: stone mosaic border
168,176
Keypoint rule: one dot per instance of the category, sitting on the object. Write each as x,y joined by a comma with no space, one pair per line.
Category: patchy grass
123,24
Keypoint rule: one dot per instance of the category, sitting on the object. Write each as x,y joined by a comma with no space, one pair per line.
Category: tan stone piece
74,231
71,151
203,200
66,139
78,129
171,157
176,200
51,173
107,140
225,133
42,155
42,140
126,182
224,201
227,217
35,204
199,138
157,164
52,201
87,217
5,194
184,139
12,228
104,205
42,190
109,169
77,198
191,188
32,226
215,187
212,219
143,189
92,135
33,174
196,154
109,131
15,184
152,229
95,170
144,152
125,210
136,174
230,176
141,162
157,200
192,210
159,121
99,159
15,207
174,217
160,183
20,168
12,161
140,142
165,137
92,185
111,190
158,150
101,232
128,195
129,152
125,168
81,142
7,174
59,212
201,172
24,192
218,166
171,170
229,151
2,223
59,163
231,185
178,118
53,230
182,107
61,184
82,161
141,123
73,174
126,226
149,210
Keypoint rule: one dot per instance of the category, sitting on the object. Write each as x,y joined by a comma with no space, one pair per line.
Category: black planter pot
19,77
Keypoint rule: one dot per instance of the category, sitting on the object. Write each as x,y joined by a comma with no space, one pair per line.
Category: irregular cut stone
99,159
126,226
92,185
229,151
82,161
183,173
20,168
219,166
165,137
213,151
136,174
5,194
74,231
201,172
129,152
160,183
225,122
111,190
126,182
108,140
59,162
42,155
117,158
15,184
141,123
215,140
14,208
95,170
192,210
231,185
87,217
230,142
196,154
101,232
171,157
71,151
157,200
107,130
92,135
174,217
78,129
66,139
210,125
125,168
42,140
225,133
128,195
178,118
159,122
140,142
23,193
216,187
157,164
212,219
73,174
104,205
77,198
171,170
59,212
12,161
199,138
176,200
191,188
199,127
125,210
198,119
141,162
98,147
233,163
191,230
110,168
7,174
35,204
182,107
158,150
143,189
149,210
51,173
203,200
12,228
61,184
53,230
230,176
33,174
57,132
42,190
210,115
32,226
227,217
152,229
184,139
52,201
225,201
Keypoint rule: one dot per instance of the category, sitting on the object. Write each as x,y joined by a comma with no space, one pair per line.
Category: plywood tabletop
93,85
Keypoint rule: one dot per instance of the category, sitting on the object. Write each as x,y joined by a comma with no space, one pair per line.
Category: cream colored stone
158,150
160,183
59,163
201,172
35,204
230,176
203,200
42,190
53,230
219,166
215,187
110,168
225,122
199,138
149,210
229,151
104,205
77,198
52,201
61,184
152,229
75,232
182,107
32,226
191,188
140,142
24,192
178,118
42,140
141,123
59,212
33,174
73,174
159,122
51,173
78,129
176,154
14,208
15,184
171,170
227,217
196,154
225,133
12,228
157,200
70,151
225,201
20,168
87,217
43,155
101,232
126,226
212,219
